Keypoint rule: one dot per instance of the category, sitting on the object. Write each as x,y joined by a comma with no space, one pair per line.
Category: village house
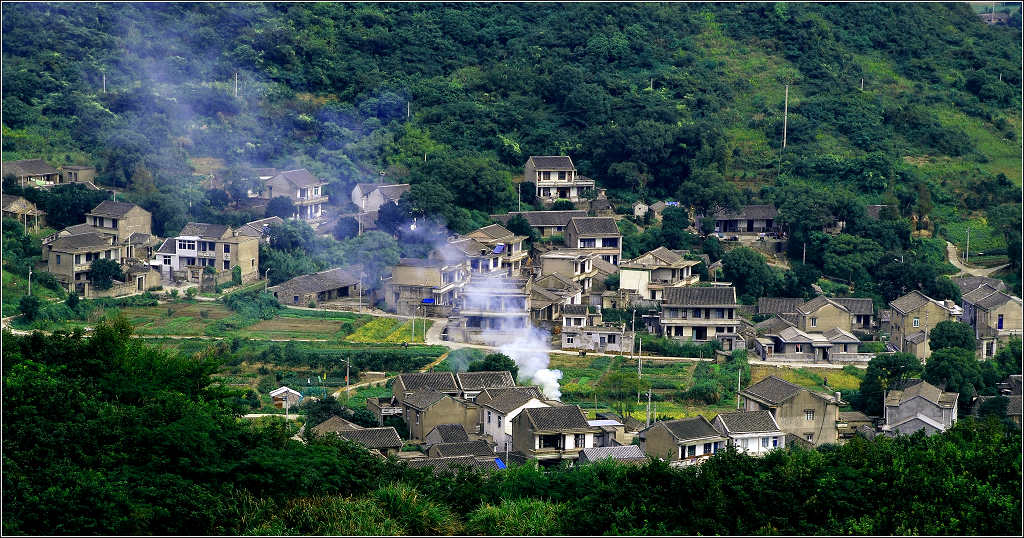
1013,407
69,259
583,328
750,219
798,411
682,442
574,264
630,454
640,209
701,314
597,234
491,309
260,228
821,313
472,383
499,406
481,259
552,434
406,384
446,433
430,287
23,211
967,284
285,397
451,465
120,219
477,448
334,424
303,189
547,223
77,174
549,295
753,432
35,172
556,178
332,285
792,344
919,405
385,440
650,273
852,422
913,316
371,196
425,409
505,244
199,246
613,433
995,317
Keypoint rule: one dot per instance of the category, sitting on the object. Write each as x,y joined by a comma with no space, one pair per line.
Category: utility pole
408,110
520,187
648,406
967,253
30,281
236,84
804,258
738,375
785,117
861,84
104,83
266,282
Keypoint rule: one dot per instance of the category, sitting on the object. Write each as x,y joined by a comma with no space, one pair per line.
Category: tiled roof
979,293
604,267
299,178
256,228
618,453
968,284
874,210
575,309
631,424
992,299
204,230
493,231
76,229
659,257
386,437
856,305
16,204
335,424
925,390
658,206
451,433
853,416
594,225
747,212
440,381
330,279
816,303
451,464
464,448
748,422
773,324
484,380
508,401
423,399
778,305
28,167
394,192
773,390
838,335
690,428
169,246
794,335
909,302
542,218
552,162
700,296
80,241
112,209
566,417
916,338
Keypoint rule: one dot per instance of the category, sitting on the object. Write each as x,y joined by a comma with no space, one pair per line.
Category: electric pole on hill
236,84
785,117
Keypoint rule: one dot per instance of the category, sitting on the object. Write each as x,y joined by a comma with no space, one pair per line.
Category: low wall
850,358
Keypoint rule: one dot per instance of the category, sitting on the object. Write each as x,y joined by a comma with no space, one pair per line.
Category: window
499,421
999,326
488,417
167,260
917,322
588,243
253,262
295,299
696,313
707,448
808,414
814,322
764,442
775,442
612,339
227,264
580,441
227,248
809,437
58,263
799,348
570,340
78,259
417,417
691,451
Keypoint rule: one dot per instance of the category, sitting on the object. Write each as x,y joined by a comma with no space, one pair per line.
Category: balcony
308,200
207,254
701,322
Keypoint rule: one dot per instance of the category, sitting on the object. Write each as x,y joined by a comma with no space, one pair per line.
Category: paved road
954,258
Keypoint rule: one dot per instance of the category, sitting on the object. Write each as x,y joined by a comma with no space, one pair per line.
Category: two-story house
650,273
120,219
821,313
200,245
994,315
473,383
550,294
23,211
919,405
583,328
682,442
428,287
701,314
574,264
547,223
596,234
505,244
69,258
304,190
425,409
406,384
499,406
552,434
753,432
491,309
371,196
336,284
792,344
808,415
556,178
481,259
71,173
913,316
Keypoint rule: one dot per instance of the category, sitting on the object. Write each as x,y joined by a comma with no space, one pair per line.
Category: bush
191,292
29,306
236,275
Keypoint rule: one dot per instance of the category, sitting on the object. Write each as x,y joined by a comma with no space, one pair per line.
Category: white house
753,432
499,406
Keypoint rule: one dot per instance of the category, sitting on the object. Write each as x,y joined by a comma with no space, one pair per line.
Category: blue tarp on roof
501,464
429,301
499,249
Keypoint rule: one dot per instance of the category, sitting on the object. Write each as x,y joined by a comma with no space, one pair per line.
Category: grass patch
390,330
983,237
15,287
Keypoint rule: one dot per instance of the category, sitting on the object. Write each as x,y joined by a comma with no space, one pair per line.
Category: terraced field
391,330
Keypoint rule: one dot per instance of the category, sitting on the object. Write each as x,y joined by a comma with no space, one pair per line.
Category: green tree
103,273
29,306
747,270
620,388
947,334
495,362
519,226
280,206
957,370
563,205
883,373
994,407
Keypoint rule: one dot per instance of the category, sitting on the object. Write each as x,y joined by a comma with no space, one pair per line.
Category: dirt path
954,258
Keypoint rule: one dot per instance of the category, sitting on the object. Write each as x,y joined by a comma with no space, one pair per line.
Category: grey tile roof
909,302
794,335
688,429
856,305
258,227
451,464
816,303
552,162
995,299
81,242
424,398
484,380
542,218
755,212
204,230
773,324
968,284
618,453
28,167
778,305
508,401
700,296
493,231
772,390
330,279
386,437
916,338
333,425
604,267
748,422
632,424
108,208
566,417
299,178
874,210
394,192
76,229
464,448
575,309
169,246
594,225
923,389
837,335
853,416
451,433
440,381
973,296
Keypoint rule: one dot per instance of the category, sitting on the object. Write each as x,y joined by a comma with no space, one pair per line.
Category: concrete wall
928,316
446,411
659,443
915,406
827,317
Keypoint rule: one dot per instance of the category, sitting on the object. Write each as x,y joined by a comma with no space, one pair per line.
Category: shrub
236,275
29,306
191,292
517,517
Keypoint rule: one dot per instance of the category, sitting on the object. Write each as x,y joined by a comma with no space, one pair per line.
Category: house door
141,283
750,225
700,333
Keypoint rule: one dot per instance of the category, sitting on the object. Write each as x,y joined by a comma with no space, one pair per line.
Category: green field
391,330
983,237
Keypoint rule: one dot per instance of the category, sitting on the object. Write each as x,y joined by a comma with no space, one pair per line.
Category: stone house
446,433
498,406
427,408
507,245
919,405
452,464
750,219
701,314
490,310
35,172
23,211
792,344
260,228
913,316
120,219
477,448
798,411
549,295
338,284
473,383
650,273
640,209
200,246
77,174
597,234
682,442
574,264
69,258
752,432
995,317
384,440
556,178
552,434
406,384
304,190
371,196
429,286
629,454
821,313
285,397
584,329
547,223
